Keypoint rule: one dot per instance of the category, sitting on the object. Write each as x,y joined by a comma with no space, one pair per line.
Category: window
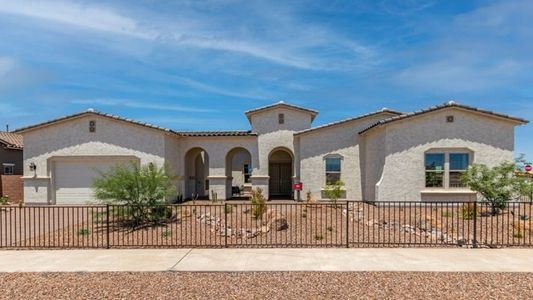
333,170
281,118
444,170
434,169
458,164
247,171
9,169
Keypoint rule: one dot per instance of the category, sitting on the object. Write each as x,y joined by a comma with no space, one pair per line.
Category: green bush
468,211
141,189
83,231
496,185
318,237
334,191
259,206
4,200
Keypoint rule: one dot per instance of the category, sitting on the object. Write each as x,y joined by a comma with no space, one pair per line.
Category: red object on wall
528,168
298,186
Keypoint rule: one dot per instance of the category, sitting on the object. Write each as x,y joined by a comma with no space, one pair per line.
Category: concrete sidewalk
237,260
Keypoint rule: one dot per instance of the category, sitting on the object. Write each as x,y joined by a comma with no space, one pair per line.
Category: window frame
337,173
447,182
8,165
436,171
247,172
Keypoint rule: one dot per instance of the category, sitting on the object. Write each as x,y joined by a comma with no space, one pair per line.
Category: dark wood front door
280,179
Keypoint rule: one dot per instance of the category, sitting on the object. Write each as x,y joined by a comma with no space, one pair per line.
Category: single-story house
11,165
380,156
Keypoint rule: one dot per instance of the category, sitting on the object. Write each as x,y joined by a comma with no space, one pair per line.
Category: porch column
261,181
217,184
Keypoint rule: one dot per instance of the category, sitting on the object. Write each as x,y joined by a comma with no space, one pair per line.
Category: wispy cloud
76,14
302,45
220,91
485,49
139,105
7,64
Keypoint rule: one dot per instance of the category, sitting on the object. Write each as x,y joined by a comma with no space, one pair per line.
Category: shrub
228,209
4,200
318,237
334,191
166,233
329,228
447,214
518,230
83,231
496,185
259,206
140,188
468,211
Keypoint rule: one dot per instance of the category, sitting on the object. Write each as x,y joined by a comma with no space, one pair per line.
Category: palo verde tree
496,185
140,188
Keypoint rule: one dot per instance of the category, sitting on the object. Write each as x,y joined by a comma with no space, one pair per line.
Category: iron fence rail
231,225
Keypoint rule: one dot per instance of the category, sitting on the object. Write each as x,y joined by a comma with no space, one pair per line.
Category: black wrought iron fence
207,225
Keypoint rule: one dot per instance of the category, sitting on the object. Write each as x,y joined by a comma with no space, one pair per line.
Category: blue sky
197,65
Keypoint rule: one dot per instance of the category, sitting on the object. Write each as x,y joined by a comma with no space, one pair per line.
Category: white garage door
73,179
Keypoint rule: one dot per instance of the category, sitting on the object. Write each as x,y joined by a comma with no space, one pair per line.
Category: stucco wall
73,139
342,140
403,178
276,136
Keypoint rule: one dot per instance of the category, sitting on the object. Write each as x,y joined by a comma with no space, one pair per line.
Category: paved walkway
206,260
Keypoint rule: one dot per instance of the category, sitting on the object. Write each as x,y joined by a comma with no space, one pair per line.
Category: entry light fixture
33,167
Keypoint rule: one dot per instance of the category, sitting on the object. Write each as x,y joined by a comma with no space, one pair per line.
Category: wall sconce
33,167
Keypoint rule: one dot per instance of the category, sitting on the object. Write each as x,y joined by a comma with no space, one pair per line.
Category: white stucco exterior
381,153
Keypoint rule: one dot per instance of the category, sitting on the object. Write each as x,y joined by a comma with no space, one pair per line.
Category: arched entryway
238,173
280,171
196,173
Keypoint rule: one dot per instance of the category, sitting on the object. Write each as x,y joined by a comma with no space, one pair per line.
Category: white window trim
447,152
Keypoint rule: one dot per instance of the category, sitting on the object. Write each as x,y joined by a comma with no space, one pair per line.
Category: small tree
141,188
258,200
334,191
525,188
496,185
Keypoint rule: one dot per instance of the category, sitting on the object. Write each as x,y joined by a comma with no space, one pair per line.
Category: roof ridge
382,110
447,104
281,103
93,112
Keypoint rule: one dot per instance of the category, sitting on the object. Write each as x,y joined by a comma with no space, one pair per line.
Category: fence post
225,225
474,238
347,224
107,225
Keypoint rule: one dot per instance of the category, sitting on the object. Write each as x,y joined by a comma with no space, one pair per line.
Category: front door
280,183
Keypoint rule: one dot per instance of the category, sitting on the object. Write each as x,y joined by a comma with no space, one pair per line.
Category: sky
198,65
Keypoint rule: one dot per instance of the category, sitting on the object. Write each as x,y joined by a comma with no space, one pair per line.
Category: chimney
7,127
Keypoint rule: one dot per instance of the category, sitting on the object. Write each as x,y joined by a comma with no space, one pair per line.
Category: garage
73,178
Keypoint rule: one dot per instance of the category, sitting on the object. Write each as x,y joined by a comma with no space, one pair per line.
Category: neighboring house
381,156
11,165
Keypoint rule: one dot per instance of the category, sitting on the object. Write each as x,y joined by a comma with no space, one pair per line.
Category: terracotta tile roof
281,103
215,133
443,106
11,140
148,125
383,110
91,112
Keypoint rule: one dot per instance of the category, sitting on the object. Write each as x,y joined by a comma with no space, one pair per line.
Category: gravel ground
272,285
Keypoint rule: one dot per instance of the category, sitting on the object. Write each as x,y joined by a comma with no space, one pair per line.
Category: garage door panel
74,179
